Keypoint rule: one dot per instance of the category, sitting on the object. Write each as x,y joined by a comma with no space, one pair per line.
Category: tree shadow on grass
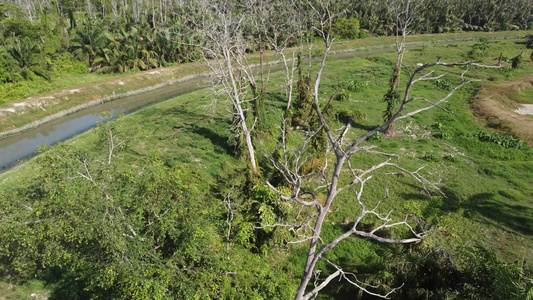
277,99
512,215
489,207
359,125
218,140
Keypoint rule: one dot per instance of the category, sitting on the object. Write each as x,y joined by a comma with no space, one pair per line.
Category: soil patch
500,107
525,109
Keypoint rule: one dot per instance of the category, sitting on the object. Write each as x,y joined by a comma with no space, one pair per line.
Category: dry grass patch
496,104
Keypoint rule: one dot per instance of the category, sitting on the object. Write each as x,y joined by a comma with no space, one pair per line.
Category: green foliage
392,98
529,41
440,131
376,137
346,28
430,157
357,86
442,135
303,104
92,212
342,95
86,40
502,140
516,62
433,273
25,59
442,84
126,50
450,158
350,115
479,50
81,252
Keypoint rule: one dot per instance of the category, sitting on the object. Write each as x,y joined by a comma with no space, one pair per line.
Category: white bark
224,53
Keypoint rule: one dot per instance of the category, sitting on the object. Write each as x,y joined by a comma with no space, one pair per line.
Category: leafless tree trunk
89,9
224,52
114,8
404,10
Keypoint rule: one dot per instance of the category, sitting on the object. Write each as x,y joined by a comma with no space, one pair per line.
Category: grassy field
487,180
50,97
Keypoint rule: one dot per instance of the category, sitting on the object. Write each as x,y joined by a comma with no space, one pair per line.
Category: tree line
123,35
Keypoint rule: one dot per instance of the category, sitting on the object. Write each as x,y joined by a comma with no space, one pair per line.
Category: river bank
19,116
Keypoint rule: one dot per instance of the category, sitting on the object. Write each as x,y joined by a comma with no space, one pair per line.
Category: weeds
358,86
502,140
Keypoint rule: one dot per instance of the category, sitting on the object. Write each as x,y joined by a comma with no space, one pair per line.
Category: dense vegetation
46,39
172,212
170,203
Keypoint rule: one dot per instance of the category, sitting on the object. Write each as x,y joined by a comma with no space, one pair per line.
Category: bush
343,95
346,28
502,140
352,115
442,84
430,157
357,86
479,50
378,136
516,62
442,135
529,41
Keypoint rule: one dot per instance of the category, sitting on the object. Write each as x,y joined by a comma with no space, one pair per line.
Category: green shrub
363,33
343,95
502,140
442,84
529,41
378,136
450,157
442,135
352,115
479,50
430,157
358,86
346,28
516,62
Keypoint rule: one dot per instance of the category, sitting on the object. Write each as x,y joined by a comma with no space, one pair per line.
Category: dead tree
404,10
334,178
280,24
219,32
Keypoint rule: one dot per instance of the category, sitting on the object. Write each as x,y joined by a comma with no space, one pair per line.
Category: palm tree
87,40
28,58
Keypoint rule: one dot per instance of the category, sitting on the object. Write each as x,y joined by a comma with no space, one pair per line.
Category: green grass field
484,215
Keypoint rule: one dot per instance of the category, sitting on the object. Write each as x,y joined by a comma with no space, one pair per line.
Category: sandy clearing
525,109
496,106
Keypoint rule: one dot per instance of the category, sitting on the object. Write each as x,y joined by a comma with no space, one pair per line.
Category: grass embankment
73,89
488,185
